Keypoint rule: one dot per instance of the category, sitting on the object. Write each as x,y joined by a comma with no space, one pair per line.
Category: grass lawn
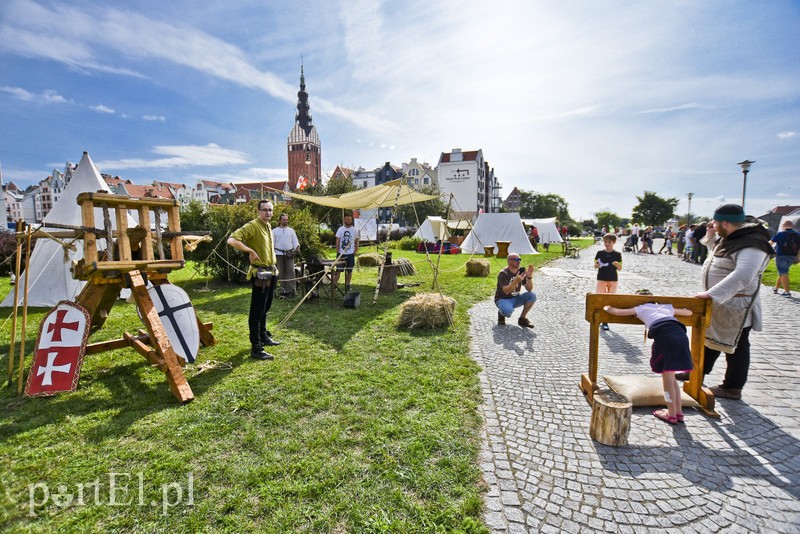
771,275
356,426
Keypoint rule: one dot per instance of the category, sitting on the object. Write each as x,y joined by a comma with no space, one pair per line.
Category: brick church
303,147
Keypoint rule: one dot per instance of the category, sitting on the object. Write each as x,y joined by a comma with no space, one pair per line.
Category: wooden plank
140,346
98,301
89,237
174,227
123,243
206,337
112,200
147,240
175,377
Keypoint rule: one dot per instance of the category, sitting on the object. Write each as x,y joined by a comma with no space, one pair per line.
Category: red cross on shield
60,348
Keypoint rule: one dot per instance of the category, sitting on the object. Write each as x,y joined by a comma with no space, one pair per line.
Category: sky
595,101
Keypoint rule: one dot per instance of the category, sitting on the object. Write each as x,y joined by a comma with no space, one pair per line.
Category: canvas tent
493,227
433,229
386,195
548,232
49,270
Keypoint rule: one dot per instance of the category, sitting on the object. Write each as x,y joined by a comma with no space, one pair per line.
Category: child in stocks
607,262
670,352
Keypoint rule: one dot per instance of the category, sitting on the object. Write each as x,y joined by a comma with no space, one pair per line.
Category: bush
327,237
223,262
408,243
8,249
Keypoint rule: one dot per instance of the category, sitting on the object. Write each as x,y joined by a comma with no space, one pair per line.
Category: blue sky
595,101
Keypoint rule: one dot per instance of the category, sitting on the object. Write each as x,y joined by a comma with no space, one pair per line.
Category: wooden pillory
698,321
133,256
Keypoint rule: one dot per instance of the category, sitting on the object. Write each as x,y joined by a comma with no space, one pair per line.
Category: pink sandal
679,417
664,415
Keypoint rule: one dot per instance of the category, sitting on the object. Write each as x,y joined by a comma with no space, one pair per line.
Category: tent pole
386,248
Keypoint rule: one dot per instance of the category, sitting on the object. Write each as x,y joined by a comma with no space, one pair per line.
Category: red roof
784,210
469,155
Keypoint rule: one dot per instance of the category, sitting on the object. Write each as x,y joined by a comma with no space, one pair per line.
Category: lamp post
689,213
745,169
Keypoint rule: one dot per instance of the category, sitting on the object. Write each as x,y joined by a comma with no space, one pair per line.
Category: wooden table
502,249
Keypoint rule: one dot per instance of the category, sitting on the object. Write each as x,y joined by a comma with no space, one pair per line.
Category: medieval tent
49,270
433,229
548,232
493,227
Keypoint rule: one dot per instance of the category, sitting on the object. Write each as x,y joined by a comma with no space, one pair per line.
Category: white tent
548,232
433,229
493,227
50,276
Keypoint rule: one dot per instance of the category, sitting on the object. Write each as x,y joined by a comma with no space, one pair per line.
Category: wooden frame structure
698,321
133,256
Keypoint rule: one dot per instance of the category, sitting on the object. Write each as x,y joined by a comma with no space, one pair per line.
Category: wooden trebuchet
611,418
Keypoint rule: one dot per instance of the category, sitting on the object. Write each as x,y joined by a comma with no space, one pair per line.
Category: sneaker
787,295
775,290
605,326
523,321
501,319
726,393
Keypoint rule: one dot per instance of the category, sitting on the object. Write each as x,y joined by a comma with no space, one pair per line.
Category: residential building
363,178
420,174
303,148
245,192
471,181
210,192
179,192
773,217
342,173
514,201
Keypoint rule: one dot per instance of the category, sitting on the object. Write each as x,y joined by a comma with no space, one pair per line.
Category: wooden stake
16,297
20,383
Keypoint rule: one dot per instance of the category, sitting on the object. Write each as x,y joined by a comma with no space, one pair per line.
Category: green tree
654,210
607,218
414,214
538,206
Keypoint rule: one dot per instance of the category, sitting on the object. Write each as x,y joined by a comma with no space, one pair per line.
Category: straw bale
370,259
478,267
427,310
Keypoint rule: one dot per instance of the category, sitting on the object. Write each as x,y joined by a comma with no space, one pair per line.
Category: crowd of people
734,251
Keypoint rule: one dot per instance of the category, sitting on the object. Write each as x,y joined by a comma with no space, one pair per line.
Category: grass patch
357,426
771,275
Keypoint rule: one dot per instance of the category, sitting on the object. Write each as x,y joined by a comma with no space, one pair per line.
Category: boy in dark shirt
607,262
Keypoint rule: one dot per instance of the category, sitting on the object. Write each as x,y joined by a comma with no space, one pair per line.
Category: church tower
302,147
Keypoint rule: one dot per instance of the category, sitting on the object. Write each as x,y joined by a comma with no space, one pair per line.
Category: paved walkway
740,473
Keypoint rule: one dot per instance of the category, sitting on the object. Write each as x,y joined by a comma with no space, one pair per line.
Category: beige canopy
386,195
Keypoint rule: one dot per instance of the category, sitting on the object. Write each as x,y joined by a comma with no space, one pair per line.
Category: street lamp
745,169
689,214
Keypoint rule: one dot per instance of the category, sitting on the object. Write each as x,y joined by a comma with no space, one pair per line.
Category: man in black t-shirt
509,293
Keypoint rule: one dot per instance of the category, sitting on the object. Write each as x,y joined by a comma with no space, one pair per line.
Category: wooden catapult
133,256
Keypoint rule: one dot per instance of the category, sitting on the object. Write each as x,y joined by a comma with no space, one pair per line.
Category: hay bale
478,267
370,259
405,267
427,310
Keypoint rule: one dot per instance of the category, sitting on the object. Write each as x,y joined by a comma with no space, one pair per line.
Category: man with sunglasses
509,294
255,239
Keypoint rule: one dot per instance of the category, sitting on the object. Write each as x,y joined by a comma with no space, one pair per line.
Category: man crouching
509,294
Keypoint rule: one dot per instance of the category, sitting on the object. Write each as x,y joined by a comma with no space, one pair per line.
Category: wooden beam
175,377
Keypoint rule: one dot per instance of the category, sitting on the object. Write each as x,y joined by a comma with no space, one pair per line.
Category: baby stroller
628,246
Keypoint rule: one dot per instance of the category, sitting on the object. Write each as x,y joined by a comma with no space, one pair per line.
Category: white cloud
786,135
100,108
48,96
182,156
156,118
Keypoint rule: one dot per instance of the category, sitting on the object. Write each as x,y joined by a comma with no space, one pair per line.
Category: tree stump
611,418
389,279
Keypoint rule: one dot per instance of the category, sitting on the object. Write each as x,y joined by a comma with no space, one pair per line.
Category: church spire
303,115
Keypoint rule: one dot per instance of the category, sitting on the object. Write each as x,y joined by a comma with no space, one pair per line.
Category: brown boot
501,319
726,393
